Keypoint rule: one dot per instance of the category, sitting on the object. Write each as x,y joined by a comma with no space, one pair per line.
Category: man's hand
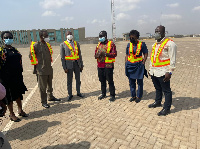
102,54
167,77
66,70
81,69
143,62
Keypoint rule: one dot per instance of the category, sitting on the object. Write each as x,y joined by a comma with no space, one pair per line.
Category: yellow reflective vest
74,53
34,60
108,59
155,59
133,58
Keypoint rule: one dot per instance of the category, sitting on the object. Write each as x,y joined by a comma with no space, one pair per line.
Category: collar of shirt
70,41
161,40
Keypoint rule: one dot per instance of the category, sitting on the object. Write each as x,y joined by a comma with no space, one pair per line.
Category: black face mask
132,40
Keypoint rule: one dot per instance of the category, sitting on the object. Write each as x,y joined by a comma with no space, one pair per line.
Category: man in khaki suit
41,58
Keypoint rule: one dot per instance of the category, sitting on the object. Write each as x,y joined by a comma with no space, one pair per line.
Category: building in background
25,37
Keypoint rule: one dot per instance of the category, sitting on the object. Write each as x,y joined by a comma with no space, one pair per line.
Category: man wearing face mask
41,57
135,64
162,65
105,54
71,59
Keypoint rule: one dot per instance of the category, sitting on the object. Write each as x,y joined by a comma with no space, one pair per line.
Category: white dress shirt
169,52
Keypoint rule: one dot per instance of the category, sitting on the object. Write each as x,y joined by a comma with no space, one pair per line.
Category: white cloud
171,16
141,22
49,13
98,21
54,4
173,5
144,16
122,16
126,5
196,8
68,19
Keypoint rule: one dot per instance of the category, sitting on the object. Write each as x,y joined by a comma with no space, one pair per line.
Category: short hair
4,32
103,33
134,32
161,26
41,32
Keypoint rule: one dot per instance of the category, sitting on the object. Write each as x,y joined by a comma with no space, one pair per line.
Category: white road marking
9,125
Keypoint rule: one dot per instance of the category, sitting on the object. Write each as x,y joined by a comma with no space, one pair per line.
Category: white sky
178,16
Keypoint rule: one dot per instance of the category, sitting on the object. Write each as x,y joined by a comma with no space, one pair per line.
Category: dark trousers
45,87
76,70
161,87
106,74
132,83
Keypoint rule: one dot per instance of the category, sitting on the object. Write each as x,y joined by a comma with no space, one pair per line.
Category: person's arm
62,55
172,50
127,52
96,54
80,57
145,52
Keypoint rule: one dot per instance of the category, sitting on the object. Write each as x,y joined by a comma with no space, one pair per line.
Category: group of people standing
162,64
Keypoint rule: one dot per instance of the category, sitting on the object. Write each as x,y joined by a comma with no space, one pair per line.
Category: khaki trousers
45,87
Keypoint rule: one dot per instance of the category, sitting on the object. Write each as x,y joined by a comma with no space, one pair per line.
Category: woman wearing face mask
11,75
136,56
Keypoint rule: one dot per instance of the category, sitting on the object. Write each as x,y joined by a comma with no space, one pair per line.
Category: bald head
160,29
68,33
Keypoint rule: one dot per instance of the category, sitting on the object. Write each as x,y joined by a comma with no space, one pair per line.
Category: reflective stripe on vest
133,57
50,50
156,62
34,60
108,59
74,54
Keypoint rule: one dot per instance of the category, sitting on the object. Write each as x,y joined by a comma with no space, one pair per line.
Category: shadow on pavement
57,108
80,145
185,103
30,130
75,97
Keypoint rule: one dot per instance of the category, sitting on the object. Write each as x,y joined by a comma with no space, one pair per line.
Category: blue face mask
8,41
102,39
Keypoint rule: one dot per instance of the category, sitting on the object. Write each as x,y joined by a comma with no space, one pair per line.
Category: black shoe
163,112
46,105
132,99
23,115
101,97
138,100
112,99
155,104
69,98
80,95
17,120
54,99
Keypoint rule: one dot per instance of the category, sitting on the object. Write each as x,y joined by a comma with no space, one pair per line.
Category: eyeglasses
7,37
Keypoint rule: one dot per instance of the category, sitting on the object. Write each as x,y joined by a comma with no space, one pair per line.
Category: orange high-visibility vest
108,59
133,57
156,62
74,54
34,60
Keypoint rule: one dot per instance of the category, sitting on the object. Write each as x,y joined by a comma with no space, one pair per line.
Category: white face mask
69,37
46,39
